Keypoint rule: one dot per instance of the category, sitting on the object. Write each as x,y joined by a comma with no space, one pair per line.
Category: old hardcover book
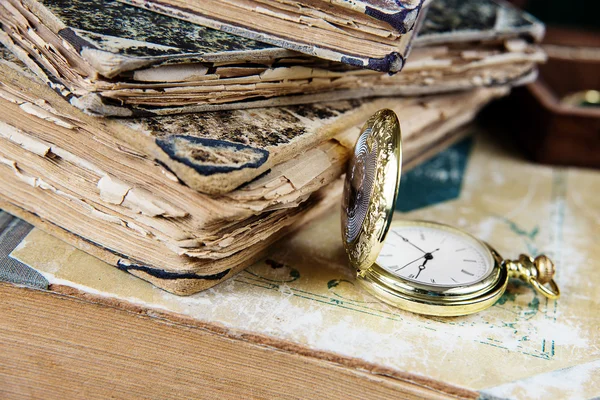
77,177
298,326
110,58
217,152
366,33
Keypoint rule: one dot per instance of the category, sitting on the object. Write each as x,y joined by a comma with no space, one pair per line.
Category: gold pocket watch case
423,267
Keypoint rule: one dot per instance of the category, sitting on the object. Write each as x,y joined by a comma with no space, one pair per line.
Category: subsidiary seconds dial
434,255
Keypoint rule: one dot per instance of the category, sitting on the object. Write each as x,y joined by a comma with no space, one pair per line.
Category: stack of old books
177,140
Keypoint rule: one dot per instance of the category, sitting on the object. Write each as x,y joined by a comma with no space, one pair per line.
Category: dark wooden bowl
549,130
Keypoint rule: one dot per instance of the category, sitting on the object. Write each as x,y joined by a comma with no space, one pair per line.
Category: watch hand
427,256
407,241
422,266
409,263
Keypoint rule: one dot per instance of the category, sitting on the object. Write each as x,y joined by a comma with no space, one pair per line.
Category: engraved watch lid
371,187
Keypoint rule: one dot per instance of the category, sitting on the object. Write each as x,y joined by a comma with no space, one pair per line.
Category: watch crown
537,272
545,268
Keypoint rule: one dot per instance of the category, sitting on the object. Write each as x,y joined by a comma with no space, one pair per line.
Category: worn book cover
367,34
474,20
109,58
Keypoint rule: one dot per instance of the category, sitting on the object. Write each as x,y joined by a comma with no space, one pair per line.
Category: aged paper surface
525,346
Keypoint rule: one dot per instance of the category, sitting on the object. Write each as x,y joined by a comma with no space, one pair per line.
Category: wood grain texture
105,349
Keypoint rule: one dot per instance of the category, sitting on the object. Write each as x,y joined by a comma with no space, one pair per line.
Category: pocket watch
420,266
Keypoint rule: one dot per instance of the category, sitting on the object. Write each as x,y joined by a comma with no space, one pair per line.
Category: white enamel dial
434,255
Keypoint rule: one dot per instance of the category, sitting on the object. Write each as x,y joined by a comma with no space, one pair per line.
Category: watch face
434,255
